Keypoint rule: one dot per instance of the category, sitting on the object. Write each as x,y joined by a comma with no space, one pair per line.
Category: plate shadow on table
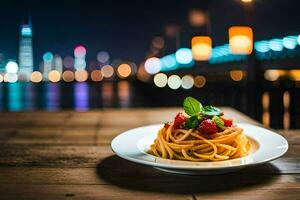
125,174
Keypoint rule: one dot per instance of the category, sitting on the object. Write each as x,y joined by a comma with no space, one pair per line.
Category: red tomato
208,126
179,120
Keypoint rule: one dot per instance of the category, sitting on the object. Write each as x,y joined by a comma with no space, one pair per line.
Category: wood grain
66,154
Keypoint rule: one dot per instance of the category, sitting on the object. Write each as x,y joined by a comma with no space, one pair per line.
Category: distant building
25,52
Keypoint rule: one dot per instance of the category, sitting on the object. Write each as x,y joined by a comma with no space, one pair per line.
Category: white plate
133,145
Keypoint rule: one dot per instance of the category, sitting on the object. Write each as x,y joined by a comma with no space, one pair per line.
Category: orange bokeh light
68,76
96,75
240,40
201,47
81,75
124,70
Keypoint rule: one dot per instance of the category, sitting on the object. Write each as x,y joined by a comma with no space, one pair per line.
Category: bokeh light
236,75
276,44
153,65
36,77
68,62
262,46
54,76
169,62
68,76
199,81
124,70
290,42
184,56
174,82
201,47
96,75
10,77
158,42
240,40
160,80
1,78
103,57
197,17
48,57
142,75
107,71
272,74
80,51
187,82
81,75
295,74
12,67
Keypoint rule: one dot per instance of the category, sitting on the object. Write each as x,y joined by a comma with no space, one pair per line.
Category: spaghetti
192,145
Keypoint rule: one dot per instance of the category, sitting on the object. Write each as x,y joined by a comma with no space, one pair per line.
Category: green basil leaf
191,106
219,122
191,122
210,111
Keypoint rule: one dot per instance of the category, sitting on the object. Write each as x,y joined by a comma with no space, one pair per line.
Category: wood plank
111,170
90,156
103,192
45,155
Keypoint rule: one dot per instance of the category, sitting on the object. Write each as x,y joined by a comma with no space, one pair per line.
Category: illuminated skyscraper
25,52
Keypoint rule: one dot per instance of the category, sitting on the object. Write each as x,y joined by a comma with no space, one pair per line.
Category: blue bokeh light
48,56
276,44
169,63
290,42
184,56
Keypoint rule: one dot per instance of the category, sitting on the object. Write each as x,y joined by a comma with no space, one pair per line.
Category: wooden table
67,155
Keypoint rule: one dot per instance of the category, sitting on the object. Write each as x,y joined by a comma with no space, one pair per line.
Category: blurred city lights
187,82
160,80
184,56
48,57
142,75
240,39
103,57
153,65
81,75
262,46
107,71
36,77
124,70
10,77
79,51
295,74
276,44
174,82
96,75
197,17
12,67
199,81
68,62
68,76
58,63
169,62
201,47
54,76
158,42
290,42
272,74
236,75
79,63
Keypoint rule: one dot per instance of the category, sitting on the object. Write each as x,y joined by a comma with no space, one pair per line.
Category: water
275,106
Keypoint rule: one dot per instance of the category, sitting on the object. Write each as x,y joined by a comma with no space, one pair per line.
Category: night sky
125,28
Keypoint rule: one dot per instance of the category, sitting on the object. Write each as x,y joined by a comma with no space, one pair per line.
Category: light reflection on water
274,108
81,96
